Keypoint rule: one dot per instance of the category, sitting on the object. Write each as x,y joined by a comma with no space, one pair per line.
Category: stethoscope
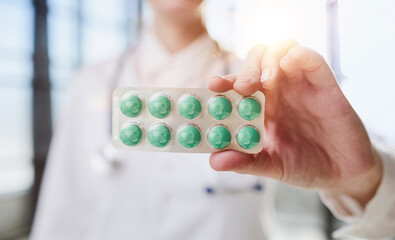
108,162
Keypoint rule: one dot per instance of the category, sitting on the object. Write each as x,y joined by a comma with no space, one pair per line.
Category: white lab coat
151,195
162,195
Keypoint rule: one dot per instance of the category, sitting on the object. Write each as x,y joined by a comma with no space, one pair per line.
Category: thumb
255,164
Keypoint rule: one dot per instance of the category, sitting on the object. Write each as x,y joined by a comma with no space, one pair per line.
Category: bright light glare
271,21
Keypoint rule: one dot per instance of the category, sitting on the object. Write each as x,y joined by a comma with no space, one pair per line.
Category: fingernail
266,74
212,78
217,76
243,80
226,78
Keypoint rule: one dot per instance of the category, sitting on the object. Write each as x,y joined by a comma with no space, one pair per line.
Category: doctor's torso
142,195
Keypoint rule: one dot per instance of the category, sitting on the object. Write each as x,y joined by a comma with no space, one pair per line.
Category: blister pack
187,120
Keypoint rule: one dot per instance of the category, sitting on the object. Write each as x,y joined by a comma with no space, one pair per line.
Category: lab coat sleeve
377,220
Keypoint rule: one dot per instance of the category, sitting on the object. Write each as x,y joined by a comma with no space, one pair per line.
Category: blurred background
43,42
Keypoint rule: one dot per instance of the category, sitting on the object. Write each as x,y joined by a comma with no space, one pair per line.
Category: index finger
248,81
221,83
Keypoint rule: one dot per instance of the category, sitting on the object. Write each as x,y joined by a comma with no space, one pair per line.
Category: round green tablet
189,136
219,137
130,134
159,135
220,108
249,108
248,137
189,107
159,106
131,105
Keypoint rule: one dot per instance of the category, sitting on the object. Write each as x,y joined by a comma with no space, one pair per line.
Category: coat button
209,190
258,187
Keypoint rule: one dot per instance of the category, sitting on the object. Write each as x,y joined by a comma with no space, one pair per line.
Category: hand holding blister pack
187,120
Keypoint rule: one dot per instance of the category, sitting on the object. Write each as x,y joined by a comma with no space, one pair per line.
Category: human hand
314,138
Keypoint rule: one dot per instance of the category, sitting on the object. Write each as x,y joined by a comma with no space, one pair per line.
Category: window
79,32
85,32
16,48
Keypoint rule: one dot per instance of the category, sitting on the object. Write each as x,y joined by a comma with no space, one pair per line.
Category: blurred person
92,191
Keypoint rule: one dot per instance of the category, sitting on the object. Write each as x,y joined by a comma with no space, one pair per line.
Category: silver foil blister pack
187,120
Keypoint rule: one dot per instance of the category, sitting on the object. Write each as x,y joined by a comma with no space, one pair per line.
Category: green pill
249,108
248,137
131,105
219,137
159,135
159,106
130,134
190,107
220,108
189,136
